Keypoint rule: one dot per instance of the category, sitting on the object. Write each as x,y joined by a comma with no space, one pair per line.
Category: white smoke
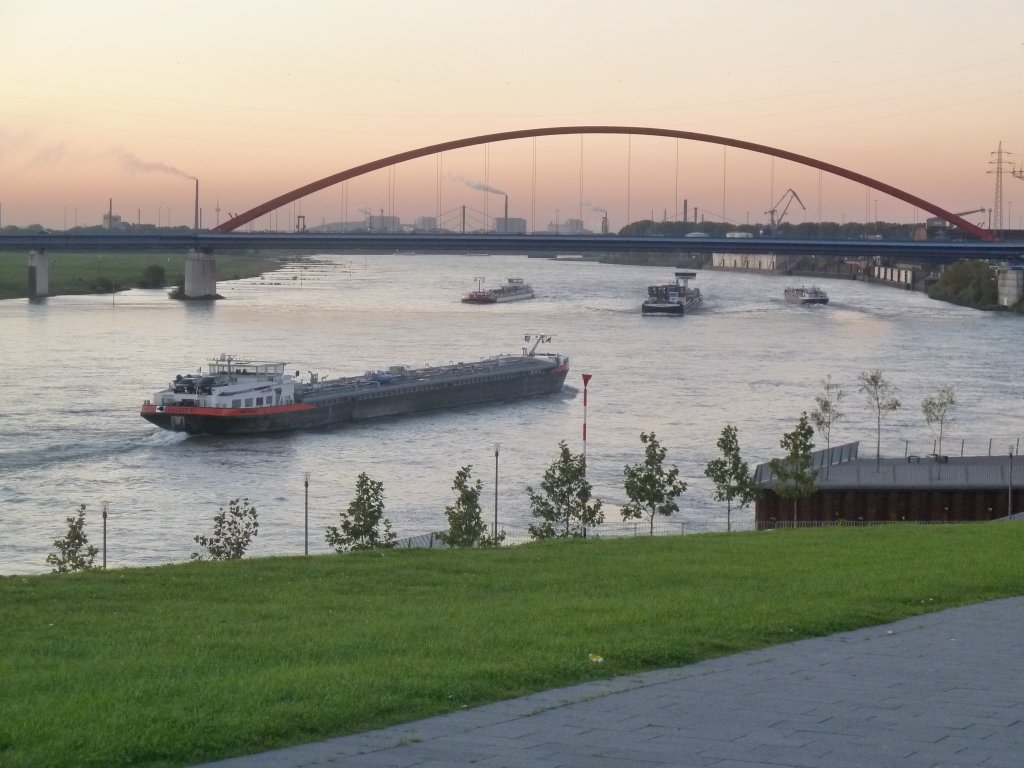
135,164
479,185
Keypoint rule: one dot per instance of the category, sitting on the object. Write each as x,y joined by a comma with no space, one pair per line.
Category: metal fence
520,534
951,446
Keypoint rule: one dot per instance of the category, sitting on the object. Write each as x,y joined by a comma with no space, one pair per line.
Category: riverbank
91,273
338,644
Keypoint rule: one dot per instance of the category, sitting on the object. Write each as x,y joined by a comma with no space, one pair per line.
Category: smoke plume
479,185
137,165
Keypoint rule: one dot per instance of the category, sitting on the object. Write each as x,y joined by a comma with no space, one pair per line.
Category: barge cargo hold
241,397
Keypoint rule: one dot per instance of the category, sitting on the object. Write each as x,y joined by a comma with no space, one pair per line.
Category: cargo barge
238,397
516,289
676,298
804,295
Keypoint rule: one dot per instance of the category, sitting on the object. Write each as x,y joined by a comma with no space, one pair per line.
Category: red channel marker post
586,381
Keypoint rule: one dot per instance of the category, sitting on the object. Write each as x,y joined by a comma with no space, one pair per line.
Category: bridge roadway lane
519,244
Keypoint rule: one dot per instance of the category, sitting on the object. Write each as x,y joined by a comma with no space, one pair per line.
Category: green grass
179,664
75,273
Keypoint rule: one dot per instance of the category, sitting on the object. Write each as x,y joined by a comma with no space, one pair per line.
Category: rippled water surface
79,366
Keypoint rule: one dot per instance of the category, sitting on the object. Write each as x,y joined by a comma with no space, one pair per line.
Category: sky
125,104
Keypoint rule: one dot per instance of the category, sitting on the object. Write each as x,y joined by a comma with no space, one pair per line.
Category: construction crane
776,220
968,213
937,222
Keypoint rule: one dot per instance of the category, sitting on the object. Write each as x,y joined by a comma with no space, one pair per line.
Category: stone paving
943,690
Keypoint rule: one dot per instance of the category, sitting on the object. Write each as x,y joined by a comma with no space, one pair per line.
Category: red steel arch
254,213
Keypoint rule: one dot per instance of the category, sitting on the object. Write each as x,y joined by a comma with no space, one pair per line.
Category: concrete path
944,690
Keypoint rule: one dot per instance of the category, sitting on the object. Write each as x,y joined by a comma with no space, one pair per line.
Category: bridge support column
201,275
38,274
1010,286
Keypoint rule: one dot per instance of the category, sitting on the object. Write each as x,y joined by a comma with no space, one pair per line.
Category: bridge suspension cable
328,181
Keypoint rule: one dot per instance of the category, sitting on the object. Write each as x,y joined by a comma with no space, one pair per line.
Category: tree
937,409
363,525
730,474
651,489
827,412
233,532
74,553
794,475
881,396
153,276
466,527
564,505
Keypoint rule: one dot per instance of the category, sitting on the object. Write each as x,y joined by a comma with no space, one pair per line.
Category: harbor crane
775,220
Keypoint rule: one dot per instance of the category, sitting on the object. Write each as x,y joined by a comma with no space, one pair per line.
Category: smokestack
506,209
197,205
686,213
110,213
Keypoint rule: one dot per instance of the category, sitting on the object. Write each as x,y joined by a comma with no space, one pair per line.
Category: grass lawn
72,273
175,665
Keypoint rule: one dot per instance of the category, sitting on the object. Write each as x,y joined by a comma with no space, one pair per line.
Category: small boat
516,289
805,295
676,298
237,396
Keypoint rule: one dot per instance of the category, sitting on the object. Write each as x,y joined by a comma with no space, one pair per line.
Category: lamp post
1009,487
306,526
105,505
586,381
497,448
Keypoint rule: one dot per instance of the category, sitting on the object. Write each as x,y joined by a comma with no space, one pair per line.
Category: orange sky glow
130,102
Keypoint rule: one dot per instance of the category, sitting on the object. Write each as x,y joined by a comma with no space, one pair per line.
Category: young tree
466,527
937,409
651,489
363,525
233,532
564,505
730,474
881,396
74,553
827,412
794,475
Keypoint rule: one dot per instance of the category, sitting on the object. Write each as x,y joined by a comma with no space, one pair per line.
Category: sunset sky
129,101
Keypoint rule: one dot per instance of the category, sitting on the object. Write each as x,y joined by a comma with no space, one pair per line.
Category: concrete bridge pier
201,275
1011,285
38,274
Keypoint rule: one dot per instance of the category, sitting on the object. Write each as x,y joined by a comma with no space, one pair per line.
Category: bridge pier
1010,286
200,275
38,274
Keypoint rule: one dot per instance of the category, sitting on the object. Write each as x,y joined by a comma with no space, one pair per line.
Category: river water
79,366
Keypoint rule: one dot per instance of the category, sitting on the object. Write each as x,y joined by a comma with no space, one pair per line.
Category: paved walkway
944,690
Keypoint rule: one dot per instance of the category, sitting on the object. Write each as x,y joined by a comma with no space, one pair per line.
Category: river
79,367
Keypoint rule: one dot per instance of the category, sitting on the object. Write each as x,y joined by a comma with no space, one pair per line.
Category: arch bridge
492,138
200,269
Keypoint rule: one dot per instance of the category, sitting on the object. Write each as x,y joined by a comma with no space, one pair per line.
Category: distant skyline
129,102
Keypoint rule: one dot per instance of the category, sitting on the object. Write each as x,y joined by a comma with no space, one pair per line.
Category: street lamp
306,483
105,505
586,380
1009,487
497,448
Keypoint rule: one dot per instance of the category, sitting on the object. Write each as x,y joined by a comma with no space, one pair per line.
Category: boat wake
87,451
162,438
